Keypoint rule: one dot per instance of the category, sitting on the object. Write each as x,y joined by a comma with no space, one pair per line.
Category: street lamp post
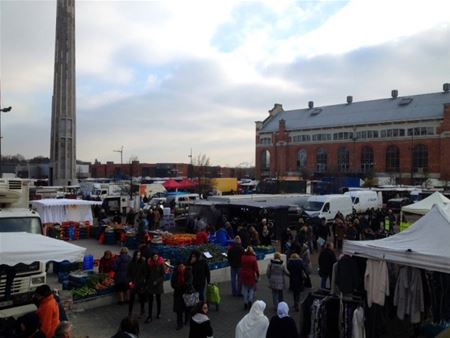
2,110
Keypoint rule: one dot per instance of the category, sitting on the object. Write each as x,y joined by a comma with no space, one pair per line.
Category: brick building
401,139
137,169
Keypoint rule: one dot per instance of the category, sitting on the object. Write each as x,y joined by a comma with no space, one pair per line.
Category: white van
327,206
364,200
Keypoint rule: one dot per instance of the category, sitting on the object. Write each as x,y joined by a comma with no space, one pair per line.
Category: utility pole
191,168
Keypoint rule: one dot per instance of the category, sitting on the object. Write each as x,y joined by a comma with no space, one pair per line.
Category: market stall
64,210
22,247
405,277
67,219
425,205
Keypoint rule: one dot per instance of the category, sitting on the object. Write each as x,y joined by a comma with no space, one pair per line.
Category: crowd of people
140,277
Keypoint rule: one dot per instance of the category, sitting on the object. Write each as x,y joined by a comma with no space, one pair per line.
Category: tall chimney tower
63,133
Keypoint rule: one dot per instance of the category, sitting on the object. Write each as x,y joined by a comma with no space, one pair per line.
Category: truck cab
17,283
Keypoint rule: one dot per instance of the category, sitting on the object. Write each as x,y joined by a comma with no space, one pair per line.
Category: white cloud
152,76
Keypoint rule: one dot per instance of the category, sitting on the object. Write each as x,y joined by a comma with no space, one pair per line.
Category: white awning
425,245
425,205
55,210
22,247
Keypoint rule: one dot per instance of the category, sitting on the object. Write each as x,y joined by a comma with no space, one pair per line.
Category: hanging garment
408,295
358,329
376,282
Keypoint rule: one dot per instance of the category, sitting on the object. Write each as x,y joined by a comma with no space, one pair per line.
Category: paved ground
103,322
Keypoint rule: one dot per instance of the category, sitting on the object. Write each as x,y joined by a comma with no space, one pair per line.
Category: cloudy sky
162,77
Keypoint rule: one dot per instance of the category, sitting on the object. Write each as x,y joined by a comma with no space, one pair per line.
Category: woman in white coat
255,323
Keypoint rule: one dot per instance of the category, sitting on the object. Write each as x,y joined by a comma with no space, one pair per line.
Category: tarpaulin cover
64,210
425,245
171,184
425,205
22,247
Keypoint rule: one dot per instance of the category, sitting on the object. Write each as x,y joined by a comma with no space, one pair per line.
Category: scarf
283,310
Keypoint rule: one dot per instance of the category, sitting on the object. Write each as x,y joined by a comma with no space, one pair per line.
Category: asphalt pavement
103,322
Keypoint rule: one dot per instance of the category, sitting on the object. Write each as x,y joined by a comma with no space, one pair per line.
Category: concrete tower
63,133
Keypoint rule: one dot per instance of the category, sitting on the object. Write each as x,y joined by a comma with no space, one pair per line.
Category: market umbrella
171,185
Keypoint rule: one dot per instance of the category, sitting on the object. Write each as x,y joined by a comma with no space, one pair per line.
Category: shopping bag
191,299
213,294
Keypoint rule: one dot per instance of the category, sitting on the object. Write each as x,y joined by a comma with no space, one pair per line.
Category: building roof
404,108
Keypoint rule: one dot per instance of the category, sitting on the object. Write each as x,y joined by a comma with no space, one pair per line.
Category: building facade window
265,160
366,159
420,131
301,138
420,158
392,159
265,140
302,158
343,159
321,137
321,160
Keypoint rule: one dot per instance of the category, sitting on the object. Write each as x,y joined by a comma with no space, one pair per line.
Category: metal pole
2,110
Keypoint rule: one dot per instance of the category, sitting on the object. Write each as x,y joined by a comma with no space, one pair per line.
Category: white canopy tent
22,247
54,210
425,205
426,244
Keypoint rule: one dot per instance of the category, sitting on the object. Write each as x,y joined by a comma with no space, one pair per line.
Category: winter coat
200,326
137,272
201,274
155,278
326,260
234,255
48,313
347,275
408,295
254,324
106,265
305,255
282,328
121,268
249,270
275,272
296,272
179,290
376,282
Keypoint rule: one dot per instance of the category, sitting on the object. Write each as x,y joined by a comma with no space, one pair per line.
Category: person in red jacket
249,276
48,310
106,264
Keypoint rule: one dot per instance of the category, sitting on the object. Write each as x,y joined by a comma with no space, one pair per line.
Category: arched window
321,160
302,158
420,158
343,159
392,159
366,159
265,160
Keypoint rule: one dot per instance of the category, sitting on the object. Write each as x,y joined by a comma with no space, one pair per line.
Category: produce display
179,239
96,284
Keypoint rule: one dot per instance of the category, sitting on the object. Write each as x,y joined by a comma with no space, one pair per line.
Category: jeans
249,293
236,287
141,297
277,296
201,293
323,282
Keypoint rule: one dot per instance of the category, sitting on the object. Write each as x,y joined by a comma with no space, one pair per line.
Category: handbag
191,299
213,294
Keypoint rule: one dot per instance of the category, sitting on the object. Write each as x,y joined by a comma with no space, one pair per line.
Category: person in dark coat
29,326
129,328
181,282
296,276
200,325
154,284
326,260
243,233
234,256
121,278
137,272
281,325
200,272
